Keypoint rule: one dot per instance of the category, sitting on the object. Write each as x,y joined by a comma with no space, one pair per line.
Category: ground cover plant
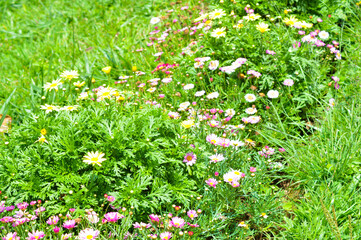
185,120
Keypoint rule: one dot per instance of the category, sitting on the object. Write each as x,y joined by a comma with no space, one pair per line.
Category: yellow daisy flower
290,21
188,124
70,75
79,84
43,131
262,27
107,69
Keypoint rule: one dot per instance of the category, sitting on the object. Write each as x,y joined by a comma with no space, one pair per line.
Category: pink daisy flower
11,236
177,222
213,139
166,236
69,224
111,198
212,182
288,82
192,214
154,218
190,158
22,206
224,142
6,219
270,52
254,73
35,235
113,216
235,184
193,225
53,220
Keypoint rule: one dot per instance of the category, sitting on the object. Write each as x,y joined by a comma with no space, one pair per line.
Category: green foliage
141,158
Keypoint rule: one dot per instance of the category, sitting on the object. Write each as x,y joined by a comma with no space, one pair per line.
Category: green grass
42,38
324,167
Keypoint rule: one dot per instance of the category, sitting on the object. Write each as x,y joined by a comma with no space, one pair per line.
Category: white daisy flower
200,93
250,97
273,94
154,20
251,110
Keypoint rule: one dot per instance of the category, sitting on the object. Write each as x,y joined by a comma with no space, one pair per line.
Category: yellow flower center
53,85
262,30
189,158
89,237
94,159
230,179
211,183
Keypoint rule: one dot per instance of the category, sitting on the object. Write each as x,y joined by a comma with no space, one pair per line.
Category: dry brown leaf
5,126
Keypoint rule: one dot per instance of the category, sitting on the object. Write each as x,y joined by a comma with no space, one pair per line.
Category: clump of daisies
233,177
